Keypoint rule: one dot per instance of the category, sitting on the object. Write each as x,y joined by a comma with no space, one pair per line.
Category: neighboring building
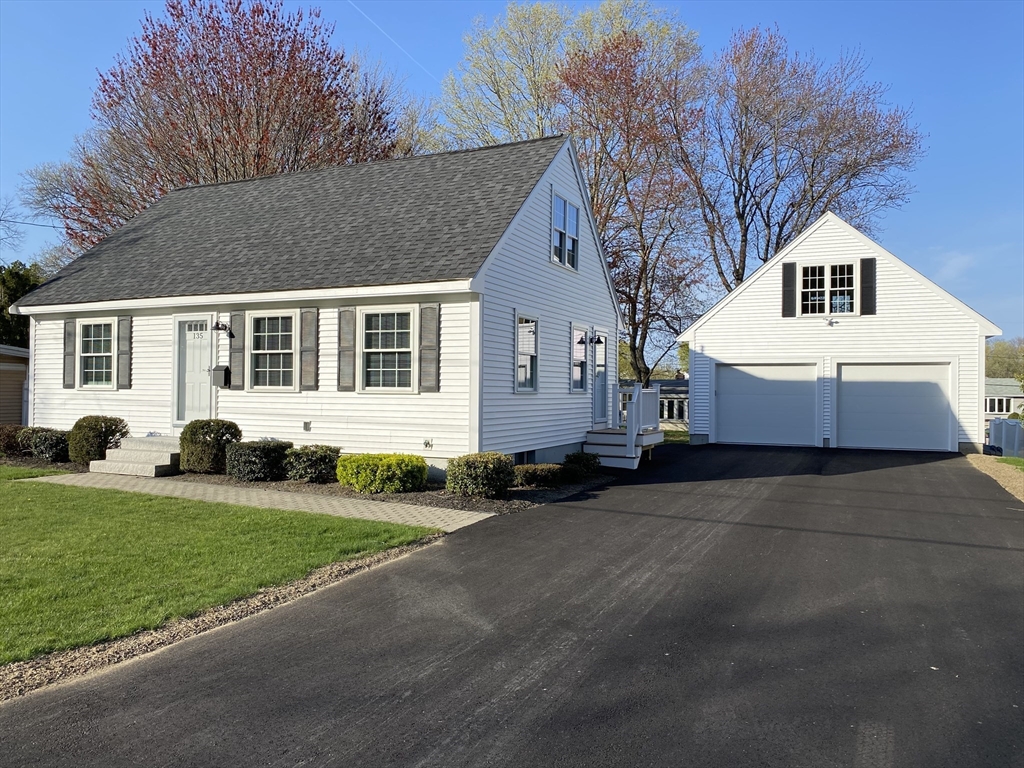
435,305
836,342
13,372
1002,397
673,402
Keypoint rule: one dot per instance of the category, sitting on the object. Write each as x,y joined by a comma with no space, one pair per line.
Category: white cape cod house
436,305
835,342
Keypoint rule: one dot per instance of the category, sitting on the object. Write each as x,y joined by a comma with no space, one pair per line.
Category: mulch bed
435,495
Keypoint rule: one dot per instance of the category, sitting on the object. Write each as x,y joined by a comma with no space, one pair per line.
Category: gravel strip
1011,478
21,677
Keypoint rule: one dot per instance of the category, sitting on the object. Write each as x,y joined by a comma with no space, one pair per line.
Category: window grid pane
97,354
579,360
272,359
391,331
812,295
841,295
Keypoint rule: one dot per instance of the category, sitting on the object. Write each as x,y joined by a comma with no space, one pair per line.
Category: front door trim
177,320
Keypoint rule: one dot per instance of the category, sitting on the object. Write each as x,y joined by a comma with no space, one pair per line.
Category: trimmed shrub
312,463
27,434
91,436
1015,415
382,472
202,445
579,466
481,474
9,440
546,475
50,445
255,461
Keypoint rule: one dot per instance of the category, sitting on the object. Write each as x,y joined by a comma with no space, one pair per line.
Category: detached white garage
837,343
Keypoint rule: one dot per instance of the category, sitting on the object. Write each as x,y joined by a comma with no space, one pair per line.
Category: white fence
639,411
1008,434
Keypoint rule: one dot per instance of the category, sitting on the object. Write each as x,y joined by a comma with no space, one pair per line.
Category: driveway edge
23,677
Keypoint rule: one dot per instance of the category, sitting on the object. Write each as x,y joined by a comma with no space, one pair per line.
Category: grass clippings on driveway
83,565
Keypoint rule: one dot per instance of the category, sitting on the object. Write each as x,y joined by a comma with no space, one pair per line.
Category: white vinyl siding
146,406
371,421
520,277
913,324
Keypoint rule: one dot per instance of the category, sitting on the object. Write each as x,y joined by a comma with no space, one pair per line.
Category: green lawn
1013,462
81,565
677,436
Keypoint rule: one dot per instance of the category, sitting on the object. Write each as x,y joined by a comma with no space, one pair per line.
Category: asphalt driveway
722,607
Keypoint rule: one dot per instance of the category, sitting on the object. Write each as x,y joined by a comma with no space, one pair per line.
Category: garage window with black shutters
827,290
272,351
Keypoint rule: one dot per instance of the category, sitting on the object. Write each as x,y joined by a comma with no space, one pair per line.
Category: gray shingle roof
412,220
1002,388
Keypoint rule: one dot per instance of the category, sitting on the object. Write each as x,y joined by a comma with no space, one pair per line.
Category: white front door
194,392
600,379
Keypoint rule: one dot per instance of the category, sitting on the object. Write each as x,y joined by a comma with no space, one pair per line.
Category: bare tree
784,138
11,234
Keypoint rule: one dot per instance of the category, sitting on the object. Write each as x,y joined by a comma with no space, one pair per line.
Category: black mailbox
221,376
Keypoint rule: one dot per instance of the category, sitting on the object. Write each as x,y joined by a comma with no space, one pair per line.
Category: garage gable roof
988,328
423,219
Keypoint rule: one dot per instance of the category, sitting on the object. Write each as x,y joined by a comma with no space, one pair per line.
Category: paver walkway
447,520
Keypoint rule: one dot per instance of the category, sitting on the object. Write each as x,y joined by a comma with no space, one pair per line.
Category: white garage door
766,404
900,406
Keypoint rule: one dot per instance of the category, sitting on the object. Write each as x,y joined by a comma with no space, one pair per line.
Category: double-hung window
526,354
96,353
580,349
272,351
387,350
565,232
834,299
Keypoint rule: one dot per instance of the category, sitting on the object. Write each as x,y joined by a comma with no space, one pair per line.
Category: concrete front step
156,443
109,467
141,456
137,456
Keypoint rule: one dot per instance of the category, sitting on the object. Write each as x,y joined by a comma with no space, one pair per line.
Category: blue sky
959,65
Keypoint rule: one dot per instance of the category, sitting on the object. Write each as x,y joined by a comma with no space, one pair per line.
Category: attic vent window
565,233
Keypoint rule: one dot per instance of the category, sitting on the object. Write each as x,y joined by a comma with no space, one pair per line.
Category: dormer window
565,233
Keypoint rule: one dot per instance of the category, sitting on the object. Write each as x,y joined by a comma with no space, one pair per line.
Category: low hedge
579,466
92,436
546,475
50,445
9,440
202,445
27,434
312,463
382,472
488,474
256,461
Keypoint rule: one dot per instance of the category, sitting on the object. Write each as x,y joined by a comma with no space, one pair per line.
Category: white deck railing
639,412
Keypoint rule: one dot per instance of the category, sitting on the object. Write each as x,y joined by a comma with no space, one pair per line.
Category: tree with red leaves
613,100
210,93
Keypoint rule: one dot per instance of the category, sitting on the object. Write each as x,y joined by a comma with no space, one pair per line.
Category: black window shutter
69,354
237,348
124,352
789,289
430,347
867,286
309,334
347,349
